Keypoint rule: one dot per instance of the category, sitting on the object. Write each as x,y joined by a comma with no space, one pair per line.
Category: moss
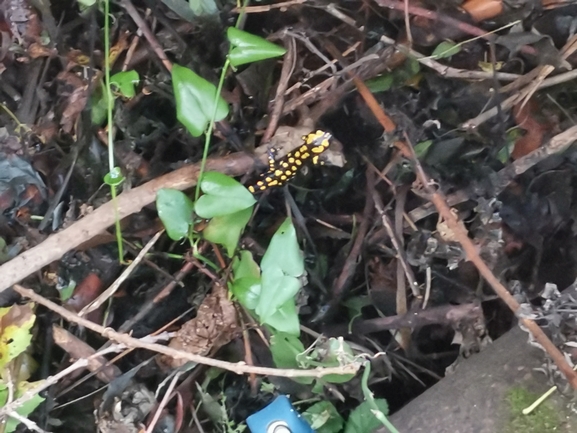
543,419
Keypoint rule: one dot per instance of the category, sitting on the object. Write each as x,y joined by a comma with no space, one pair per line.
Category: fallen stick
129,202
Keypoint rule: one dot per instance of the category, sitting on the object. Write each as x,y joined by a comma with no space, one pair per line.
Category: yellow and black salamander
281,171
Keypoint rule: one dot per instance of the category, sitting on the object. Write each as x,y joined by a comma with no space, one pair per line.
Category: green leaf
85,4
245,266
98,106
15,336
277,288
26,409
222,196
284,252
4,254
225,230
249,48
247,291
324,417
446,49
125,81
362,420
356,304
284,349
285,318
203,7
281,265
246,280
195,99
114,177
380,84
66,292
422,148
175,210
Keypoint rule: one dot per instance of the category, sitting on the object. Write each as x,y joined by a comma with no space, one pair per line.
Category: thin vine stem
371,399
109,121
208,134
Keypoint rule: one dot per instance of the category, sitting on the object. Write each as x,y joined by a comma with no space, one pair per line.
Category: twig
474,123
350,265
164,402
128,341
267,8
448,71
473,255
129,202
139,21
101,299
502,178
396,244
286,72
545,70
444,19
557,144
49,381
470,249
444,315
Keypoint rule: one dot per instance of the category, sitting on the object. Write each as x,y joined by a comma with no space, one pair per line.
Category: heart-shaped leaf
284,252
285,319
277,288
225,230
247,291
175,211
222,196
248,48
195,98
244,266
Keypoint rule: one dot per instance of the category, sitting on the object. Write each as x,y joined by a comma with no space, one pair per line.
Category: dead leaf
213,327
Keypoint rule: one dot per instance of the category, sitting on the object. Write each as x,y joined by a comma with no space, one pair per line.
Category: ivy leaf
324,417
195,99
175,210
285,318
247,291
277,289
244,266
284,349
226,230
246,284
222,196
284,252
249,48
362,420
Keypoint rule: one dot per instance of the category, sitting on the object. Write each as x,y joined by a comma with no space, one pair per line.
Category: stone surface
473,399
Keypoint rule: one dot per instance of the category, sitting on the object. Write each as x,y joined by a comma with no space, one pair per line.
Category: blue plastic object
278,417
